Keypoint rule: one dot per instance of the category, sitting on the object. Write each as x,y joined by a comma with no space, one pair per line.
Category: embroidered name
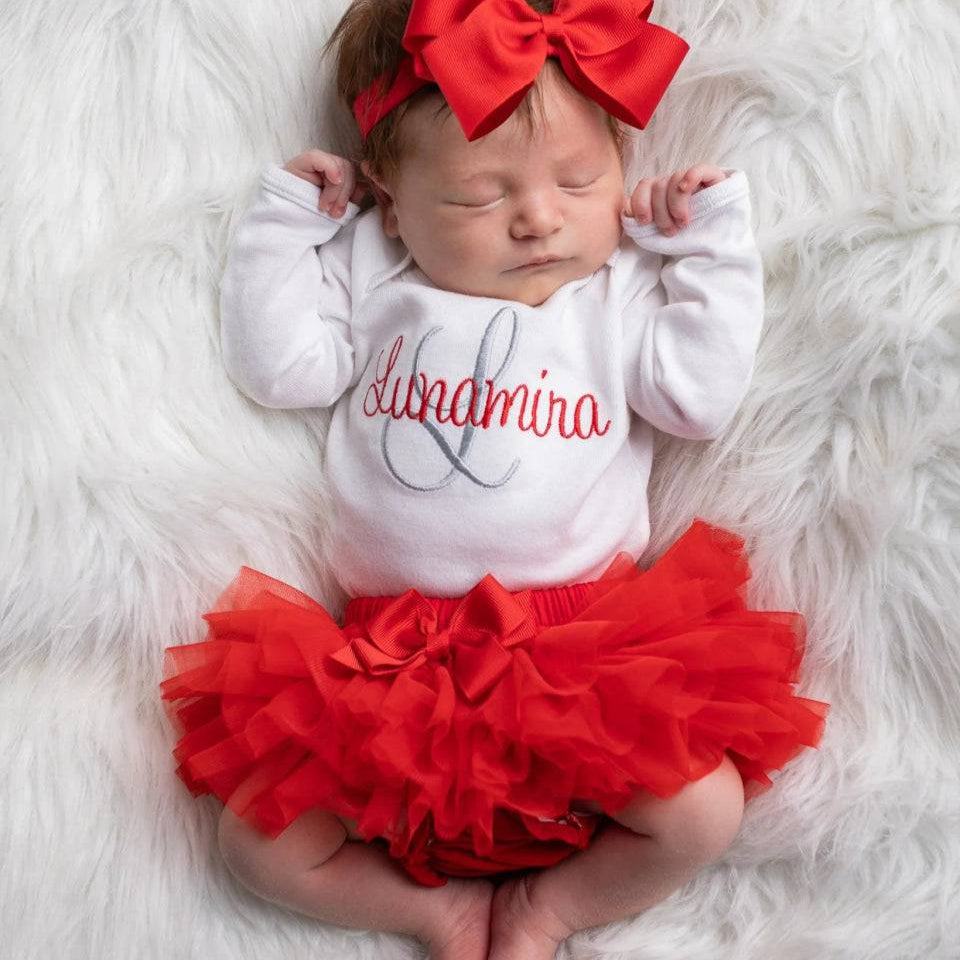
479,403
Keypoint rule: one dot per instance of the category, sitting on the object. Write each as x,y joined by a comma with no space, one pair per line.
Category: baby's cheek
453,260
600,231
469,248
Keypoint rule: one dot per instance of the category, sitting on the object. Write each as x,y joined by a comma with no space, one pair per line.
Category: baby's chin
534,294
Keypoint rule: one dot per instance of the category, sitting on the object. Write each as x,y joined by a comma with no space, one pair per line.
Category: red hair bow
485,54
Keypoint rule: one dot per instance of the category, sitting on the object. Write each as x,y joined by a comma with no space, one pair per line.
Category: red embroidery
528,417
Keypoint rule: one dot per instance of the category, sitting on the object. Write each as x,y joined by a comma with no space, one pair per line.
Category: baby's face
472,214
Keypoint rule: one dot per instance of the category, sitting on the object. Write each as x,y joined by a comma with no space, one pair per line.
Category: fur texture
135,479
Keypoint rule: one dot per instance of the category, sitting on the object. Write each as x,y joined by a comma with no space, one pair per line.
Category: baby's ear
384,201
376,184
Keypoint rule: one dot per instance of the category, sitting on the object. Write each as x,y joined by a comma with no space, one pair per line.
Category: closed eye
581,186
488,203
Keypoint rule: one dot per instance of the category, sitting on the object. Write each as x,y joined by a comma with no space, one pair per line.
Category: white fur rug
135,478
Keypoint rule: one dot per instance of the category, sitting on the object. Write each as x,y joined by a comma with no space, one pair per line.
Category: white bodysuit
475,435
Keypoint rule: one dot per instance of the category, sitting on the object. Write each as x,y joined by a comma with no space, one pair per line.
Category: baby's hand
668,196
336,177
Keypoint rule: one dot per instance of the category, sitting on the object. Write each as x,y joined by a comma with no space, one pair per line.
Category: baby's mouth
538,262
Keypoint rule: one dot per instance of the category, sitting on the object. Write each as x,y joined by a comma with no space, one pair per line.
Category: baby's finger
703,175
677,201
316,166
351,189
661,213
331,187
640,201
341,186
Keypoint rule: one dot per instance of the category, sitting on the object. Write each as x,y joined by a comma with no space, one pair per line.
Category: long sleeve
690,340
285,306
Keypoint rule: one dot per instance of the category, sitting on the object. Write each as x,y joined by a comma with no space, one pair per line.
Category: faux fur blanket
135,479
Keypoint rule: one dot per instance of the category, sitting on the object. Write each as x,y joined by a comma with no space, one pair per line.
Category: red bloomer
457,731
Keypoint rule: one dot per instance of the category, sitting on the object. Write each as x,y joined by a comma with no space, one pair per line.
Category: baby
497,338
474,216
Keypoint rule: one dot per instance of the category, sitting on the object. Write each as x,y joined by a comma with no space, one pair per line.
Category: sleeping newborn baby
498,337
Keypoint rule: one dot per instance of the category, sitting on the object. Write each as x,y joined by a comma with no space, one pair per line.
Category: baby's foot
461,929
518,931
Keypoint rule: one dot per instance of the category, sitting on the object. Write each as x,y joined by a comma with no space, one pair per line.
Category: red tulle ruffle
458,731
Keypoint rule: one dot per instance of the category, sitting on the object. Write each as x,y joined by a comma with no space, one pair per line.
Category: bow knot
553,28
474,646
438,645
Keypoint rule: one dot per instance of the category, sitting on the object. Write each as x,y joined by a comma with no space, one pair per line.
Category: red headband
485,54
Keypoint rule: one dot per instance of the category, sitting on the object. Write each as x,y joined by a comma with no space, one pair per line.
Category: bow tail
477,668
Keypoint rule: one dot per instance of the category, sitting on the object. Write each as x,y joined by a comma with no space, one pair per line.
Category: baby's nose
538,220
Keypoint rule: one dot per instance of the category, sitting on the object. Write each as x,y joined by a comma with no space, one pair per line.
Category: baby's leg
655,846
320,866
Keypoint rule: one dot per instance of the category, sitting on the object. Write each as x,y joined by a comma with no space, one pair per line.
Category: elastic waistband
550,604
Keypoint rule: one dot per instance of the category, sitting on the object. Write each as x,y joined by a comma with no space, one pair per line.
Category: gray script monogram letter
458,459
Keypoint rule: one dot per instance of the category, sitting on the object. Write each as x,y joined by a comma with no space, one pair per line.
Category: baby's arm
284,306
691,333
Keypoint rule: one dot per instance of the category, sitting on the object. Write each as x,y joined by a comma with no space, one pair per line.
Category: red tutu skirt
458,731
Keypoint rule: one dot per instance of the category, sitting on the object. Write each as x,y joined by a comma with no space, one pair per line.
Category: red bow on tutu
485,54
474,645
